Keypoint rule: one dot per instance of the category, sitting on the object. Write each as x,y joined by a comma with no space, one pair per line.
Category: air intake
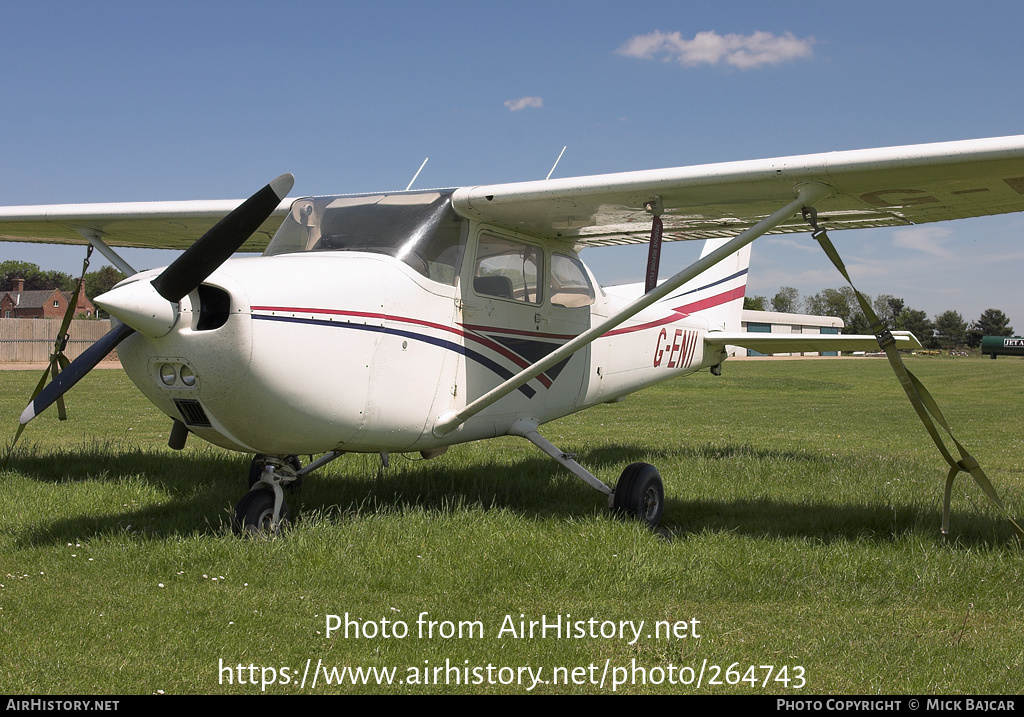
192,412
214,307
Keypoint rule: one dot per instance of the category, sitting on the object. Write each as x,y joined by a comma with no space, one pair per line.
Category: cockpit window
508,269
420,229
570,286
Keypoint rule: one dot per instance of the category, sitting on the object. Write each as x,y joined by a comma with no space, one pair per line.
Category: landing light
176,375
168,375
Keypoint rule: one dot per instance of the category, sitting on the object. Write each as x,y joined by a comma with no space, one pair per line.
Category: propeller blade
215,247
75,371
184,274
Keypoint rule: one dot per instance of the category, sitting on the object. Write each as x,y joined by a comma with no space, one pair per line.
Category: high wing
147,225
893,186
744,200
870,188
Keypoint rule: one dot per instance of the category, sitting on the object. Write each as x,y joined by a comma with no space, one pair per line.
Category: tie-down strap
57,361
925,406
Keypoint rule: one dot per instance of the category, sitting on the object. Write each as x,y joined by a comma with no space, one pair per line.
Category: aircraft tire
640,494
254,514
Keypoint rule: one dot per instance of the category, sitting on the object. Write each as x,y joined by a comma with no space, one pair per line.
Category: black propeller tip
225,238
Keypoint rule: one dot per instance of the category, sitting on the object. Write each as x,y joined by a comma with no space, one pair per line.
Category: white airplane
415,320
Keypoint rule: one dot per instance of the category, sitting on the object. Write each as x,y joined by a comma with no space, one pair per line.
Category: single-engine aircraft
411,321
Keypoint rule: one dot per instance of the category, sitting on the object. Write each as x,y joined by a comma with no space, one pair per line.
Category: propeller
151,307
225,238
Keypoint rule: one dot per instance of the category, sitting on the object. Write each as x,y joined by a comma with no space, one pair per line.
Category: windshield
420,229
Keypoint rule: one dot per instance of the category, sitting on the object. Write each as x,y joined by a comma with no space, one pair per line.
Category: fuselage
332,344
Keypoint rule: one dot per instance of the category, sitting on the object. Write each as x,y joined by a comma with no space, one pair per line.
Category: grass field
801,530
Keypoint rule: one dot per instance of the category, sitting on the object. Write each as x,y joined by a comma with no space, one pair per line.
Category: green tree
827,302
35,278
754,303
917,323
842,303
787,301
951,329
888,308
992,322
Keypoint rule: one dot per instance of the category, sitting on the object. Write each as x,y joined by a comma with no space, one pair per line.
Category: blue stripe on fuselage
708,286
442,343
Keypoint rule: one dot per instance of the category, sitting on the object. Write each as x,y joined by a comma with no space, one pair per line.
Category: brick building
41,303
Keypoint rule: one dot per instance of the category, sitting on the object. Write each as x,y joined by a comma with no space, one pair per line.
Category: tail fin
717,294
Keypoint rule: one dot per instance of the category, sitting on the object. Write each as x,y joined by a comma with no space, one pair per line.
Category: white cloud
742,51
928,239
523,102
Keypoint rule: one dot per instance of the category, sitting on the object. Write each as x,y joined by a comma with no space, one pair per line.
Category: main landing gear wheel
254,514
640,494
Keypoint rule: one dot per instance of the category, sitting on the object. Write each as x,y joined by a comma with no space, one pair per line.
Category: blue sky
112,101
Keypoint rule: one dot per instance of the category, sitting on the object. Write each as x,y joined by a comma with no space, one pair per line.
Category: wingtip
283,184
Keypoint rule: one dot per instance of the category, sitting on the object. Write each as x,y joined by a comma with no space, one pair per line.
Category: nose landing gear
263,511
257,513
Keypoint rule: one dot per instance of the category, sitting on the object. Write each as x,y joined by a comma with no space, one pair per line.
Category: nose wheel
263,511
257,513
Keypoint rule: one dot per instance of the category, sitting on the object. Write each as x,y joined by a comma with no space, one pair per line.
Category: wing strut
93,237
807,194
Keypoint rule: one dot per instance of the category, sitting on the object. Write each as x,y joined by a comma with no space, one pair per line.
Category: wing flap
809,343
879,187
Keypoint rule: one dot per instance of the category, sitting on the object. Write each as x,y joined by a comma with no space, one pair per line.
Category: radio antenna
418,173
555,164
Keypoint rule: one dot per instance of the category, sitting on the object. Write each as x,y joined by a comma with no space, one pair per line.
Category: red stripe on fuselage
482,340
724,298
681,312
518,332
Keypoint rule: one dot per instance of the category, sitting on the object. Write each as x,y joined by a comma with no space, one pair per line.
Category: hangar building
779,323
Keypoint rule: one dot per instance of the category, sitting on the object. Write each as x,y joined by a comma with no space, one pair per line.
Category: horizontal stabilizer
796,343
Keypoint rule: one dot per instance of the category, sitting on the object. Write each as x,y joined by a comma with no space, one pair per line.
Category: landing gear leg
638,494
258,467
262,511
